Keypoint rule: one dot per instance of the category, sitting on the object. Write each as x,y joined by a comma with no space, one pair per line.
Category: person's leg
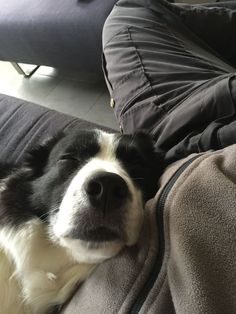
153,63
215,23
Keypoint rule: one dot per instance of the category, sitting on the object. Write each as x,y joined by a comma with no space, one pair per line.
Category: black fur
141,162
37,185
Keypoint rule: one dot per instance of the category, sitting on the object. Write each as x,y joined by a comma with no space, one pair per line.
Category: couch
62,34
23,125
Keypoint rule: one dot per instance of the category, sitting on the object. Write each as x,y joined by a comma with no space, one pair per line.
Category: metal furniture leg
21,71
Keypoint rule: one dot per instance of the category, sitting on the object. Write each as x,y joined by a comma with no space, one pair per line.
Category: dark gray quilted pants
170,70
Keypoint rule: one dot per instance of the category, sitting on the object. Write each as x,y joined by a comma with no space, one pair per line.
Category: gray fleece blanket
185,260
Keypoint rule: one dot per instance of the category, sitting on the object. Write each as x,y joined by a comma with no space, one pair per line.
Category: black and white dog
75,201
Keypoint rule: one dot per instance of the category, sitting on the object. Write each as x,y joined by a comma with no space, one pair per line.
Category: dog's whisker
86,190
43,215
54,209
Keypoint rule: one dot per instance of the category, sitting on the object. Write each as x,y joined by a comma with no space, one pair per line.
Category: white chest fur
35,273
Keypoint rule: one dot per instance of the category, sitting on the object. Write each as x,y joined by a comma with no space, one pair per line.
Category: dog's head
92,186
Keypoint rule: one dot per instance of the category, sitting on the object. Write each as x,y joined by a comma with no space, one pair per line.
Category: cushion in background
23,125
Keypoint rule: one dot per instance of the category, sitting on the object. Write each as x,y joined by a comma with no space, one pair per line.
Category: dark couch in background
23,125
61,34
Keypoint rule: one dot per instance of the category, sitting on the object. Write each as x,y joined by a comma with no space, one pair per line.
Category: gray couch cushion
23,125
55,33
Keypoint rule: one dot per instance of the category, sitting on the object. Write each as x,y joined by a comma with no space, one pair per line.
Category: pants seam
142,65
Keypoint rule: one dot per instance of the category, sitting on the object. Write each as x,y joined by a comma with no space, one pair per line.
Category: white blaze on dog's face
98,183
103,200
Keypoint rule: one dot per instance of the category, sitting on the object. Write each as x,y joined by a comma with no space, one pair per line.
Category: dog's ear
36,159
144,141
155,160
146,144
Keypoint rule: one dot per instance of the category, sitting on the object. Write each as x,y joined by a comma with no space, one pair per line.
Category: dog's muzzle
101,217
106,192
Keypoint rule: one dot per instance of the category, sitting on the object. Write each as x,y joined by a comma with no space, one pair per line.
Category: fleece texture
198,268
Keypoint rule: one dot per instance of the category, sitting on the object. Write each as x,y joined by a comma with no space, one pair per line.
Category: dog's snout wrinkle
106,190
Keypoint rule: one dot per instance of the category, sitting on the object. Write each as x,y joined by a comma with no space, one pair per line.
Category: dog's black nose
106,190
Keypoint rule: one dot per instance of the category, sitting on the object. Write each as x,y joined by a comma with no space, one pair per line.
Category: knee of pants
127,13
